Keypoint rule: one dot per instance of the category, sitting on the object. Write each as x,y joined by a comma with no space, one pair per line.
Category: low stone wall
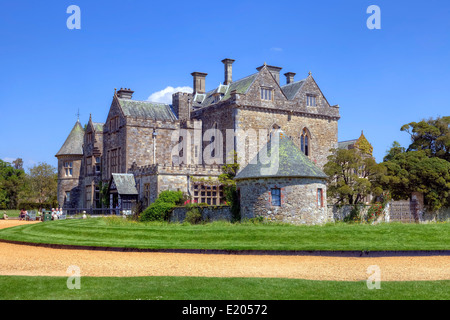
211,213
339,213
442,214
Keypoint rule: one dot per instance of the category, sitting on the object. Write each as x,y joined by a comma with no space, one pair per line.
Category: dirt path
30,260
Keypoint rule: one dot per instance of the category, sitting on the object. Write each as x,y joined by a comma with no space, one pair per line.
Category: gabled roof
124,183
74,142
146,109
98,126
291,89
240,86
292,162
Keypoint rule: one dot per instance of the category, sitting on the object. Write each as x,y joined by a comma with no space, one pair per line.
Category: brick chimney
125,93
228,71
181,103
289,77
275,71
199,82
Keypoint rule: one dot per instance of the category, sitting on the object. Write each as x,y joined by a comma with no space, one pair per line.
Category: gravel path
39,261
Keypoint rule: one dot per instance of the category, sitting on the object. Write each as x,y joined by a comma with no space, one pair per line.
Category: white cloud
165,95
10,160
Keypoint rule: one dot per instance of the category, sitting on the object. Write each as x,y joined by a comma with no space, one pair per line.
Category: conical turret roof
287,161
74,142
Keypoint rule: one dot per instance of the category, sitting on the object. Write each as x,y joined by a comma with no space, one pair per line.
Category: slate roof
291,89
74,142
146,109
98,126
292,163
346,144
125,183
241,86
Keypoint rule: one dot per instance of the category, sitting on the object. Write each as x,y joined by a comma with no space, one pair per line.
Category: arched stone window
305,142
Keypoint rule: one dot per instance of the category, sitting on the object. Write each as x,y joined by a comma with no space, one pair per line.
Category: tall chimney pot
228,71
199,82
289,77
125,93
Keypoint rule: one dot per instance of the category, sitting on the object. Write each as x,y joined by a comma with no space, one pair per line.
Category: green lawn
196,288
227,236
10,213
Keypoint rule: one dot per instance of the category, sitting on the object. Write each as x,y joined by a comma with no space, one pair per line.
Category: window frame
311,98
320,198
275,197
68,168
264,92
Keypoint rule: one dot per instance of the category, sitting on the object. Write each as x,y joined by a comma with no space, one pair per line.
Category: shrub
193,216
173,197
162,207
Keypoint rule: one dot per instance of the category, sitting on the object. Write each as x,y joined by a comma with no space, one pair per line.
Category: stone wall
209,214
299,203
69,184
323,131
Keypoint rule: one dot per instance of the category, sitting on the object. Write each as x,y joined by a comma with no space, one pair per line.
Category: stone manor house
132,152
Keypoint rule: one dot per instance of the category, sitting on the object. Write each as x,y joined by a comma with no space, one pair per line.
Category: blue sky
381,79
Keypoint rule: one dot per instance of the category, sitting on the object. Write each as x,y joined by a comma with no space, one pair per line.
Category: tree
411,171
352,175
43,181
11,184
431,136
424,166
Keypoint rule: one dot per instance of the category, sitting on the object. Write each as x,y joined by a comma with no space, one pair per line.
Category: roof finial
309,73
78,115
265,63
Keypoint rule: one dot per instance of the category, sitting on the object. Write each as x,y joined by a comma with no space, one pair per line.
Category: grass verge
240,236
196,288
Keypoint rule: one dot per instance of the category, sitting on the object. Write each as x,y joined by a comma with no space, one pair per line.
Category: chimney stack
125,93
228,70
275,71
199,82
289,77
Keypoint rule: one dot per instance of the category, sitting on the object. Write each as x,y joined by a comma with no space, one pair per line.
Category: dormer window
310,100
217,97
266,94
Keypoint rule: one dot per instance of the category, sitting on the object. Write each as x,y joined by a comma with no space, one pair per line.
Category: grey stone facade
142,137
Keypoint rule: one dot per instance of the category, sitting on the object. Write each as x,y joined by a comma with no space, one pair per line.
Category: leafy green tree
414,171
424,166
43,182
11,185
352,175
431,136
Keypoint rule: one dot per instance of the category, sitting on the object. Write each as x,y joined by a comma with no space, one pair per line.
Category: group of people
23,215
56,213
